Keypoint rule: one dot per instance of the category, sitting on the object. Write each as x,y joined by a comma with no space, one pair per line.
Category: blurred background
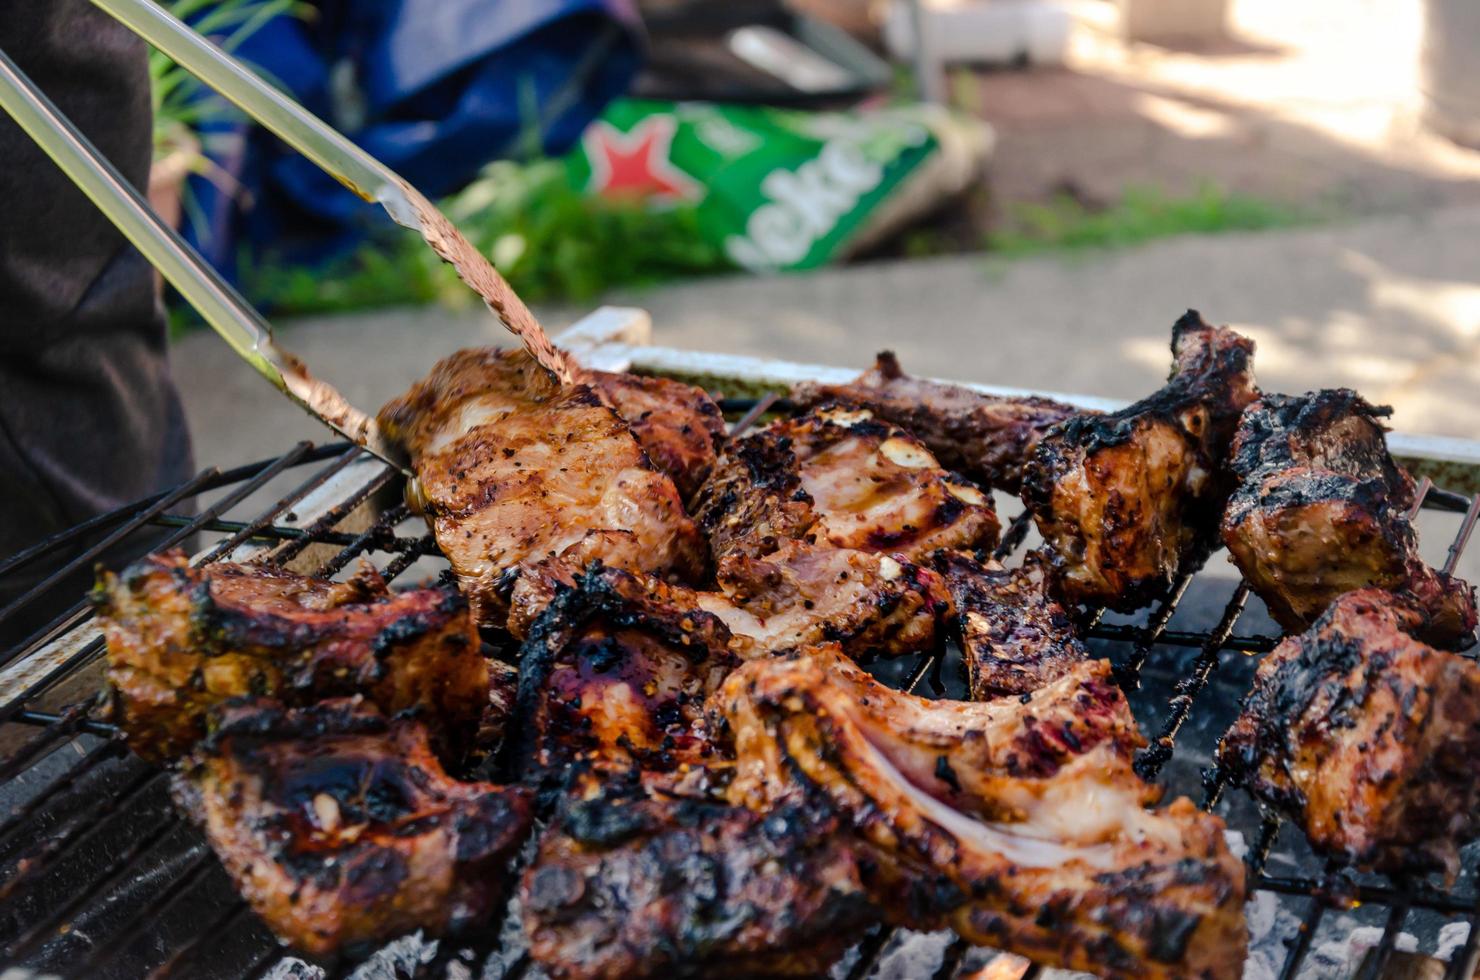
1025,192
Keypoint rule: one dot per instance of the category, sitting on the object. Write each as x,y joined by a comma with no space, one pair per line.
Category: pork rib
984,437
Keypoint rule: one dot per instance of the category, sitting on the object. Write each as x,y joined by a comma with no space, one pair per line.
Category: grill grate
99,877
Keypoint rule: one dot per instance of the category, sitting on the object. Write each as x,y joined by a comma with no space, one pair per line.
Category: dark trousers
89,416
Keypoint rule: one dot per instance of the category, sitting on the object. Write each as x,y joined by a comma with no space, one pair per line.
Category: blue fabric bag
433,88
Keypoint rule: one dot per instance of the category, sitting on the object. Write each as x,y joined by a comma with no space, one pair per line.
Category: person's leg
89,416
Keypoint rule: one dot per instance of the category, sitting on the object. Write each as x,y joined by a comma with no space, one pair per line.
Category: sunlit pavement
1314,102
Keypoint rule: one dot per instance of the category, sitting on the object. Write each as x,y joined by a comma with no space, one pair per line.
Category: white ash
1452,936
912,954
396,959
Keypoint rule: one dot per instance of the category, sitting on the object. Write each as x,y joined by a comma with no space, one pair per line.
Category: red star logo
636,164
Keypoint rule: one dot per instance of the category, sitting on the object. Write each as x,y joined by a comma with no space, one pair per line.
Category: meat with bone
634,882
612,673
678,426
1015,637
340,828
797,596
183,639
839,477
1024,814
1129,500
1322,509
514,469
984,437
1366,737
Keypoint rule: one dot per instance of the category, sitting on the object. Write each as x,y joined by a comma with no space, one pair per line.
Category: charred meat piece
340,828
1023,815
634,883
803,594
514,469
503,692
612,673
183,639
1322,509
1127,501
797,596
984,437
678,426
1366,737
543,581
838,476
972,753
1015,637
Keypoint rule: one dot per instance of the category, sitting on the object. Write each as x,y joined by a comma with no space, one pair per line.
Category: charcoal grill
99,877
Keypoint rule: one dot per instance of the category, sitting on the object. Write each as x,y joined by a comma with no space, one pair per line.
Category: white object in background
1450,85
980,32
788,59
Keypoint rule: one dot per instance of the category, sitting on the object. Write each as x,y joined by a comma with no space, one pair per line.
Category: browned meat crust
463,391
1366,737
839,477
984,437
340,828
612,673
182,639
678,426
799,595
503,692
803,594
631,883
1015,637
1021,815
1322,509
515,469
1129,500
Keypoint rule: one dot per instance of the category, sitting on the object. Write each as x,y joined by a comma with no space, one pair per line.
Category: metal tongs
227,312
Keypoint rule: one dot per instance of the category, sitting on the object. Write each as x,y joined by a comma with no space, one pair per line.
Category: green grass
548,238
1141,215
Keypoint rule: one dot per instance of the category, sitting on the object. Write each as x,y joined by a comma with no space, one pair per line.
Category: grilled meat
1366,737
802,594
183,639
543,581
340,828
678,426
613,673
634,883
1023,815
513,469
1015,637
799,595
503,692
984,437
1129,500
840,477
970,753
1322,509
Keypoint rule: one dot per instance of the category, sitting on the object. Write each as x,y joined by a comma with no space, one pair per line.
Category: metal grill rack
99,877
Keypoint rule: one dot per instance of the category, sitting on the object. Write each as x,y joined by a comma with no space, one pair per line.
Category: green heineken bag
781,189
